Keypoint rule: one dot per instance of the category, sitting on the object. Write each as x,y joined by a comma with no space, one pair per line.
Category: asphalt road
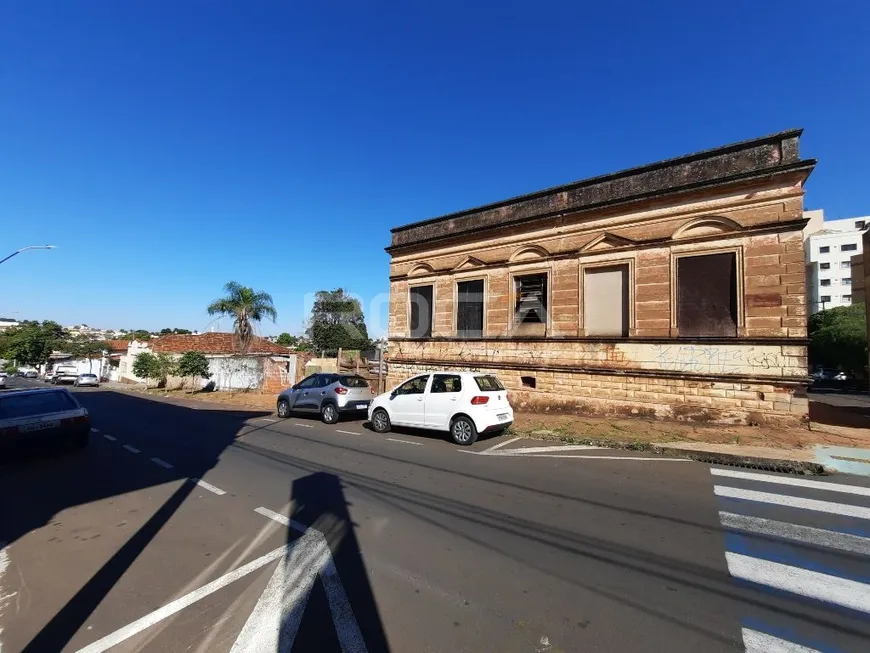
190,527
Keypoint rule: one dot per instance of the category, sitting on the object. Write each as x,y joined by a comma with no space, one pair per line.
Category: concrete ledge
784,465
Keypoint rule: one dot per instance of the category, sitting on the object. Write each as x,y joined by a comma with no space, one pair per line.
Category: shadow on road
35,488
318,501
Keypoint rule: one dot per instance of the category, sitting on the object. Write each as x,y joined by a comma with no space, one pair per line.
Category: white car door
406,404
441,400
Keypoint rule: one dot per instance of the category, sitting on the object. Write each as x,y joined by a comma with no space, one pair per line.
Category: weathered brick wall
626,395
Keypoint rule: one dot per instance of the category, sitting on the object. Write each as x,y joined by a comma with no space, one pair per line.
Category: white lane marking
268,419
286,601
115,638
274,622
787,480
807,534
110,438
131,448
93,430
811,584
416,444
348,432
305,426
500,445
281,519
4,598
208,486
530,450
161,463
792,502
756,642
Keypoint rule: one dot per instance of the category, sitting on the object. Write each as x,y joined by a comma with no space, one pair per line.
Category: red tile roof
213,343
118,345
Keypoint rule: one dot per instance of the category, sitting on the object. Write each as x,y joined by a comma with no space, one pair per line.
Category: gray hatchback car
331,395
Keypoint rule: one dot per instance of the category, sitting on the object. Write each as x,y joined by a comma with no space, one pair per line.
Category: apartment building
676,289
830,249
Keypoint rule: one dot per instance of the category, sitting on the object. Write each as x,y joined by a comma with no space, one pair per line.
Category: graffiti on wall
713,359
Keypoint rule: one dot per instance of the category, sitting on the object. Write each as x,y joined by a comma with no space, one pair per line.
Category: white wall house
829,251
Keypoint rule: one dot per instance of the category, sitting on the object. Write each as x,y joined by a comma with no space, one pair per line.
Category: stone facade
743,202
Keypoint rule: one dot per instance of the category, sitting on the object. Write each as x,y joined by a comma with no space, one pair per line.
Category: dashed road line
110,438
268,419
829,507
348,432
281,519
208,486
787,480
161,463
125,633
305,426
416,444
93,430
131,448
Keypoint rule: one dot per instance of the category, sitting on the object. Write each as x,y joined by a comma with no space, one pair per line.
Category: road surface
186,526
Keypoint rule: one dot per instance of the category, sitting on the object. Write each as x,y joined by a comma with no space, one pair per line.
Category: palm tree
244,306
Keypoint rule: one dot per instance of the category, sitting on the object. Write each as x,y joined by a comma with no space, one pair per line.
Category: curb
765,464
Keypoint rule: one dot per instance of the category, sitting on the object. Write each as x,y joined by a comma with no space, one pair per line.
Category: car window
488,383
309,382
415,386
326,379
446,383
14,406
354,382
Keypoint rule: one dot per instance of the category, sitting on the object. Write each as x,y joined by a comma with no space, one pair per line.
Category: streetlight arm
24,249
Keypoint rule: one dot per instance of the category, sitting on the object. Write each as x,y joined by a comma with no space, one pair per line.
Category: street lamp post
24,249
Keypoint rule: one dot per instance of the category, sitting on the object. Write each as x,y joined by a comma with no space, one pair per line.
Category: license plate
502,417
39,426
361,407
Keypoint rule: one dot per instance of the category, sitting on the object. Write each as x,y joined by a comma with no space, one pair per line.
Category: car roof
34,391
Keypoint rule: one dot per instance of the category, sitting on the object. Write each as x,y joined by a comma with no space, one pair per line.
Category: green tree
245,306
174,332
138,334
838,338
337,322
31,342
193,364
145,366
286,340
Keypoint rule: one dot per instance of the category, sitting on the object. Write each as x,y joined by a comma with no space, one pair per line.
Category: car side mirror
393,394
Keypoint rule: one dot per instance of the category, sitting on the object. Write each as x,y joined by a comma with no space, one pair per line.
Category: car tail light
340,391
479,400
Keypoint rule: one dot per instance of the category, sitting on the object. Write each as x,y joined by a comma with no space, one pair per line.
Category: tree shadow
35,488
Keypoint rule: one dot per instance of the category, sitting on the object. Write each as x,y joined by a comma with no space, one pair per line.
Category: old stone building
675,290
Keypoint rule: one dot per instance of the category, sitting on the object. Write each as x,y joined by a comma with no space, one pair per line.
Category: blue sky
167,147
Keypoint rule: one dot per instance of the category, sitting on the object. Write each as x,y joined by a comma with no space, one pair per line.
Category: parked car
31,374
91,380
41,415
2,380
331,395
464,404
48,376
65,375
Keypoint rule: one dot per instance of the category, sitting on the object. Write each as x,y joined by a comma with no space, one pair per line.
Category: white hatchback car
462,403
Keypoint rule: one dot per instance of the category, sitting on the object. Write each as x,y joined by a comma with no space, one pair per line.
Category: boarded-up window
707,295
421,311
469,309
605,301
531,299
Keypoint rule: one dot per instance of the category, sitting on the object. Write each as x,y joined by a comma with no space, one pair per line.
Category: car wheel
463,431
283,408
329,414
380,421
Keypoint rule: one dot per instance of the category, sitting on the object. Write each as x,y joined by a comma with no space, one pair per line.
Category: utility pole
380,366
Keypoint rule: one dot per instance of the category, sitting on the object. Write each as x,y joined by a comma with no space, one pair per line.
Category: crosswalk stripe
796,482
756,642
811,584
792,502
806,534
